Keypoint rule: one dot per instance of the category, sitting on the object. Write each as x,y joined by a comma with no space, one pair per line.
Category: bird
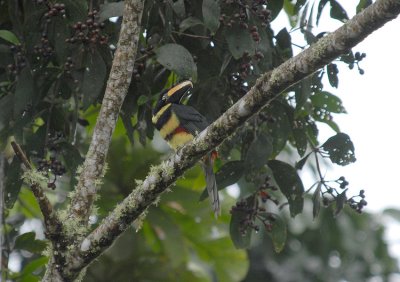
178,124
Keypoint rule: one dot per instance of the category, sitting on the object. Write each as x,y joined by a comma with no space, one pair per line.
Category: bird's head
173,95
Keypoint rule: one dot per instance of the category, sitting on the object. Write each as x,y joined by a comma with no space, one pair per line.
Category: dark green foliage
340,149
94,76
240,232
176,58
290,184
13,182
28,242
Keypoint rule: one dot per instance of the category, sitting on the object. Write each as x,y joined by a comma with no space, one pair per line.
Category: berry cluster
88,31
254,33
51,166
19,60
258,10
250,210
358,58
249,214
331,195
54,166
358,202
44,49
68,65
54,10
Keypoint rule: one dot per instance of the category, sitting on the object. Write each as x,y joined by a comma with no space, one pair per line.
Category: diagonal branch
51,220
116,89
267,87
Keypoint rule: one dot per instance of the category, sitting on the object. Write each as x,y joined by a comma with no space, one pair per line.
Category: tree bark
92,171
116,89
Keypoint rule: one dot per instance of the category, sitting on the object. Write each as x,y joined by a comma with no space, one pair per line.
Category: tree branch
51,220
266,88
116,89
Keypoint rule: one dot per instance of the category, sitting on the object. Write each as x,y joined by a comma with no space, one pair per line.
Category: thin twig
192,35
51,220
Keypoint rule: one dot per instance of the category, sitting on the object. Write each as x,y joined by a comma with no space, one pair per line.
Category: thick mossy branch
92,170
116,90
266,88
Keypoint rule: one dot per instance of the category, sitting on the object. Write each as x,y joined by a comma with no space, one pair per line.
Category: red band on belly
177,130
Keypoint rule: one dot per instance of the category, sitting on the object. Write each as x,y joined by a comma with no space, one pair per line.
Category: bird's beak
177,92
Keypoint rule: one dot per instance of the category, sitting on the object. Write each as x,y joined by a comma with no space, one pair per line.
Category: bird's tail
208,163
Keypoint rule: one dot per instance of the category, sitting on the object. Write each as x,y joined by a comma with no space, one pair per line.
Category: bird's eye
164,97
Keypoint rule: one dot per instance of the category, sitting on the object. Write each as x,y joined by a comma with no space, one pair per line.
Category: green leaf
284,42
303,21
211,13
321,6
394,213
302,162
275,6
239,41
24,93
179,8
76,10
241,237
290,184
188,23
300,137
337,11
34,265
278,233
71,156
299,4
309,37
6,106
290,10
302,92
58,33
362,5
9,36
280,129
316,200
228,174
332,124
225,63
340,201
142,100
340,149
332,75
94,78
328,102
259,152
172,239
109,10
13,182
178,59
28,242
312,133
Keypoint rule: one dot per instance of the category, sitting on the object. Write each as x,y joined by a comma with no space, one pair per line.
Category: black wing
190,118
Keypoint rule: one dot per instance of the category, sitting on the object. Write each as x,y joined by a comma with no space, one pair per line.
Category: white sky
372,101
